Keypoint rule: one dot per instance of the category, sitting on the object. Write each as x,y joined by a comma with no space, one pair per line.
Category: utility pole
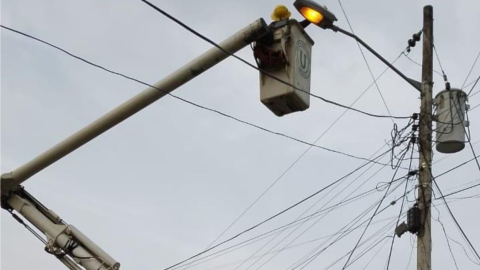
424,241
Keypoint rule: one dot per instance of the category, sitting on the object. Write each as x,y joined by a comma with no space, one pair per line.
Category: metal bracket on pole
414,83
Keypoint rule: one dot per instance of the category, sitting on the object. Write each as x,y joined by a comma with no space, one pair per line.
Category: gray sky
164,184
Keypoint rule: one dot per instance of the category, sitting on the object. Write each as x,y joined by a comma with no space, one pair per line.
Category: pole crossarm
417,85
197,66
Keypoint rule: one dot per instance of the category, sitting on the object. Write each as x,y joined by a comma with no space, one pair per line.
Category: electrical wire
378,206
323,216
294,246
306,218
181,99
274,216
455,220
465,129
447,84
312,255
366,62
401,209
379,239
476,81
458,191
301,156
446,236
410,257
448,207
418,64
471,69
191,30
456,167
307,259
401,132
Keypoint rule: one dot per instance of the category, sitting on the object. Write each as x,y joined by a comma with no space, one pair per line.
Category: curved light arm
412,82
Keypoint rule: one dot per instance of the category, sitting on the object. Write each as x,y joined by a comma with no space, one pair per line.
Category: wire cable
456,167
458,191
401,208
455,220
366,62
300,157
471,69
378,206
323,216
274,216
418,64
476,81
446,236
401,132
177,97
191,30
448,207
312,255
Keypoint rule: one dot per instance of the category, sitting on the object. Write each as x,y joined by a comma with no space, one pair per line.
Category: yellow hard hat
280,12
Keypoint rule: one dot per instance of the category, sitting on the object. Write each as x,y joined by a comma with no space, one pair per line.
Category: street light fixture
315,13
320,16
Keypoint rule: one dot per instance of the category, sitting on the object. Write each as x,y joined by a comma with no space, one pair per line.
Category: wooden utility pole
424,241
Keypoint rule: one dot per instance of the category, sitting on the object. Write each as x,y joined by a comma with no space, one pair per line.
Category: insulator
411,43
416,36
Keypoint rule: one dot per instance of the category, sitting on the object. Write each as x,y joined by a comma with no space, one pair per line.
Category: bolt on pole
424,241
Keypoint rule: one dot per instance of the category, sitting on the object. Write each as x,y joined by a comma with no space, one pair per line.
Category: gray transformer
451,121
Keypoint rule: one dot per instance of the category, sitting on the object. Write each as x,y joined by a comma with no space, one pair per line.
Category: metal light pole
424,241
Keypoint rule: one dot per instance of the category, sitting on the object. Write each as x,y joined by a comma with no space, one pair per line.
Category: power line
401,208
307,259
446,237
298,159
458,191
312,255
294,246
324,206
448,207
471,69
261,70
366,62
455,220
291,224
179,98
447,84
345,199
273,184
438,59
274,216
418,64
456,167
476,81
378,206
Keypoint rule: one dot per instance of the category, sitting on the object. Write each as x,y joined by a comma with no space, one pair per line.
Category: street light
315,13
320,16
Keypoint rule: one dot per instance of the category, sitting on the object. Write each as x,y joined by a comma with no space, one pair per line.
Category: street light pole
424,241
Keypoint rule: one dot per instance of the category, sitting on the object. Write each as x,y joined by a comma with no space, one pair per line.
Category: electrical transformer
451,122
285,57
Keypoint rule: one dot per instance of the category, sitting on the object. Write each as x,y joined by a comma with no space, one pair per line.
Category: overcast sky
161,186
